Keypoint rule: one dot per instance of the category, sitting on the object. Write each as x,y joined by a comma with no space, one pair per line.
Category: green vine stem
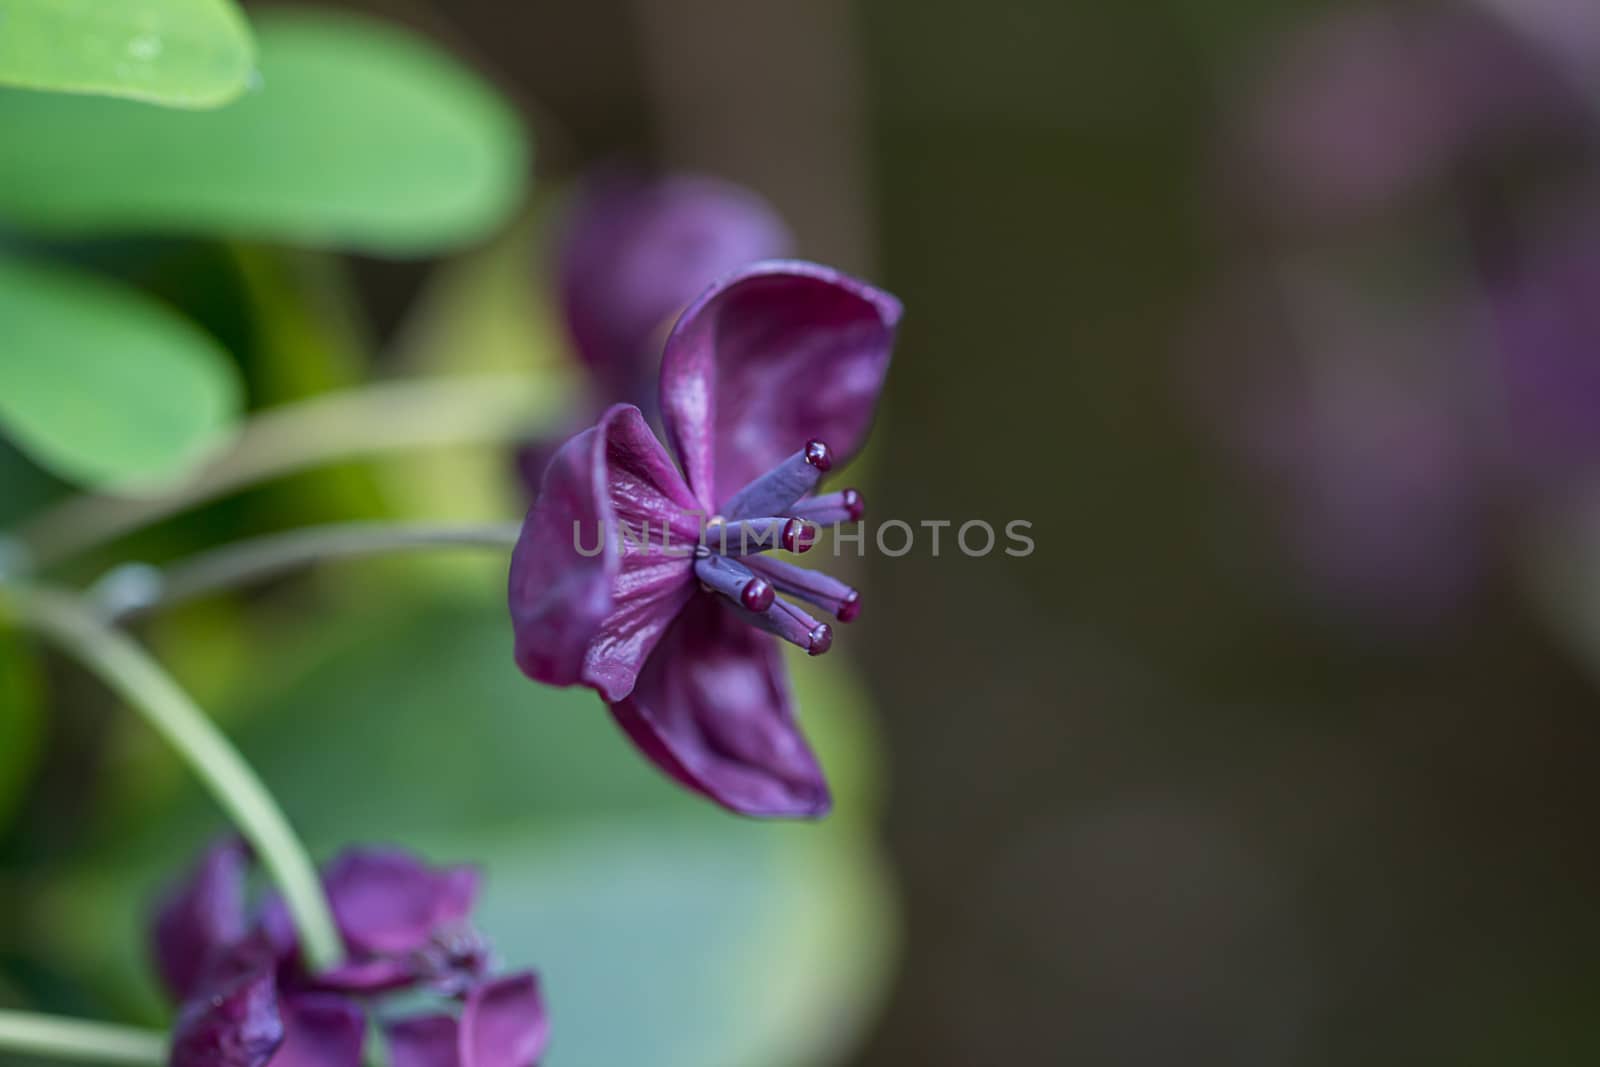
134,589
67,620
357,423
80,1042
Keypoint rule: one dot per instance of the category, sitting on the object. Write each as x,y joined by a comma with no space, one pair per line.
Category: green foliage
361,136
183,53
103,385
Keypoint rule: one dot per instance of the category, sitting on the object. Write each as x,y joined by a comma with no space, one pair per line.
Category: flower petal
560,591
769,358
235,1020
712,709
203,915
321,1030
590,564
504,1023
389,903
424,1041
636,250
658,522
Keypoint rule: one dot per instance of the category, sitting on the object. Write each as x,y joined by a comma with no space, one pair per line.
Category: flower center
779,510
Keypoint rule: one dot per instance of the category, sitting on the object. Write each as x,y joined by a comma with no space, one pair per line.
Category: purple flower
633,251
767,380
1396,412
1546,334
246,1000
1363,106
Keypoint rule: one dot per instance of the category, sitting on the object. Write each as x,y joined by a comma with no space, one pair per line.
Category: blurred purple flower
1423,355
767,380
633,251
1545,314
1361,107
246,1001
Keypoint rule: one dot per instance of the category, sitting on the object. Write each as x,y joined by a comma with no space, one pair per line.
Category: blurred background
1280,322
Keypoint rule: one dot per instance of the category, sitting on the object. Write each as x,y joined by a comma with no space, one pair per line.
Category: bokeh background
1278,323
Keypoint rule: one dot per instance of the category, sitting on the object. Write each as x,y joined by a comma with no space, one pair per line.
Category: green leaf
183,53
361,136
102,385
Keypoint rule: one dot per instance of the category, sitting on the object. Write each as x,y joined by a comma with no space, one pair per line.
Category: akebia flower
633,250
768,380
247,1000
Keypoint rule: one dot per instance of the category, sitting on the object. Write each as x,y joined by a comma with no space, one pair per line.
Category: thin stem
80,1042
141,681
367,421
245,562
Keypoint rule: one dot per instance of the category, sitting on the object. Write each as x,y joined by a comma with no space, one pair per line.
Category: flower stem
367,421
131,672
80,1042
135,588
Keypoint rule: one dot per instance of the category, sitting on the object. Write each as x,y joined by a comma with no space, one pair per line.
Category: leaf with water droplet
361,135
182,53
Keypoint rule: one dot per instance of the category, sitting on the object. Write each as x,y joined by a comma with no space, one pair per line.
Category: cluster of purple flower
248,1000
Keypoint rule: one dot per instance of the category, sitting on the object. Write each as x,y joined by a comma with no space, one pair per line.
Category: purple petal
321,1030
204,914
235,1021
581,574
712,709
658,524
376,975
389,903
504,1023
424,1041
559,592
636,250
767,359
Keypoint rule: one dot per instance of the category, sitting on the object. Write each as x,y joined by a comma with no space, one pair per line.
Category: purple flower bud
635,250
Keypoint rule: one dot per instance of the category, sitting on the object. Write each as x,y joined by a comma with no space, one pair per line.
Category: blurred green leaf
668,932
102,385
360,136
21,722
184,53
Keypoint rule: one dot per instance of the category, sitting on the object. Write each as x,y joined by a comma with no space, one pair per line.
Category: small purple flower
246,1000
632,252
768,380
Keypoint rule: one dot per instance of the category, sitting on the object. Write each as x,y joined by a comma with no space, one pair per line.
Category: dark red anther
757,595
853,503
821,639
818,456
797,536
849,608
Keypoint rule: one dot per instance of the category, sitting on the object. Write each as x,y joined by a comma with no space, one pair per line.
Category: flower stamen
814,587
775,492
